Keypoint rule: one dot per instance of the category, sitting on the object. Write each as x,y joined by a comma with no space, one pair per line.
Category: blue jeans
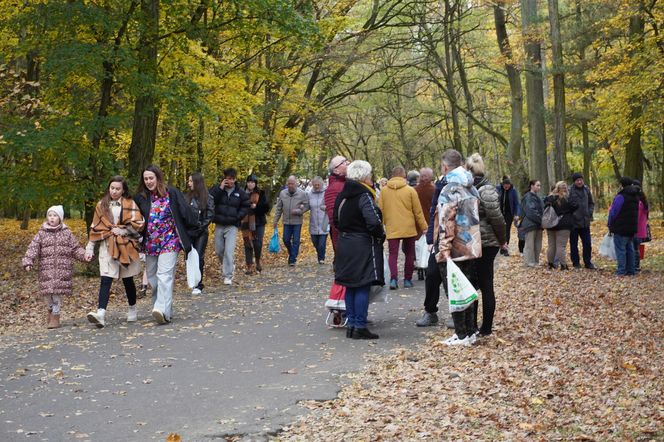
291,239
320,243
357,306
574,246
624,254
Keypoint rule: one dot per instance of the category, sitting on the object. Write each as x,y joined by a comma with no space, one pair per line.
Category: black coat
359,253
564,208
262,208
585,206
229,210
626,221
204,216
185,217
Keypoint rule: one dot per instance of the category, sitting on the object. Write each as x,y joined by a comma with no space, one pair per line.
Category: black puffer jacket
359,254
492,222
563,207
229,209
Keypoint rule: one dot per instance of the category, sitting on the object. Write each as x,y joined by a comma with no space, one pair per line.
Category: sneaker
321,261
407,284
196,291
98,318
159,317
454,340
228,281
427,320
132,316
292,264
394,284
591,266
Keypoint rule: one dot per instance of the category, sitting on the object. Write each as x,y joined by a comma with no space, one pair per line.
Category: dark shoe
564,267
427,320
576,266
591,266
349,332
552,266
394,284
420,274
363,333
259,268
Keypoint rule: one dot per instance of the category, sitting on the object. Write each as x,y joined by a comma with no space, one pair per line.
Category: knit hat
253,178
626,181
576,176
58,210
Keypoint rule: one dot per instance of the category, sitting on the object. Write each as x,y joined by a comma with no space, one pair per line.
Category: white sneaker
98,318
132,316
196,291
228,281
454,340
159,317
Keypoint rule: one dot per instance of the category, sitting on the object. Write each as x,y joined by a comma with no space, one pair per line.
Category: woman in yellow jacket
404,222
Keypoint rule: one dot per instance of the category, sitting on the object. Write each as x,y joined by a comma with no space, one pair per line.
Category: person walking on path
359,263
623,223
54,249
168,218
335,183
404,223
580,195
509,207
425,190
319,225
292,203
532,209
253,225
494,237
558,236
231,205
202,204
642,226
117,225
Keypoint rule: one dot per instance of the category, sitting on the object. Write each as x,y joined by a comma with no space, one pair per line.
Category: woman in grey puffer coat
492,231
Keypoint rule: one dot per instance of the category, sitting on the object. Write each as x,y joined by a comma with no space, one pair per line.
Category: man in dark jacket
231,204
580,195
509,206
623,222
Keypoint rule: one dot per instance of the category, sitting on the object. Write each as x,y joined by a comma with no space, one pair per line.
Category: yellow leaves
173,437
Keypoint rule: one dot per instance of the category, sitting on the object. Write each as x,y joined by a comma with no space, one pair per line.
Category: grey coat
318,223
291,206
532,209
583,215
492,222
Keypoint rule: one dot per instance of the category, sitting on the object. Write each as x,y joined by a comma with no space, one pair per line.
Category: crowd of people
461,216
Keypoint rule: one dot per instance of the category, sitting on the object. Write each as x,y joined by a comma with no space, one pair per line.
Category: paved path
233,362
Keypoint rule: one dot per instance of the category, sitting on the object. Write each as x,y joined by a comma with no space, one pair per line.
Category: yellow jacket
402,211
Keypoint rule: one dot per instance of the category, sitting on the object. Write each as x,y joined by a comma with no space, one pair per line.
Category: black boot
564,267
459,319
349,331
420,274
471,319
363,333
258,265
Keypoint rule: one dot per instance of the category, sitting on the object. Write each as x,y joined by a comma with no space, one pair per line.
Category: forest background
90,89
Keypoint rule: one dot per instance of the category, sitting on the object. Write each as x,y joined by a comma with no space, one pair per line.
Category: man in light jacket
583,216
293,202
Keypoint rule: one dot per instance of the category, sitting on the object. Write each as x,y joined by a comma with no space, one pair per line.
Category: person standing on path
253,225
642,226
54,249
404,223
580,195
509,207
203,204
117,225
531,223
360,249
558,236
231,204
292,203
494,237
623,223
336,181
425,190
319,225
168,219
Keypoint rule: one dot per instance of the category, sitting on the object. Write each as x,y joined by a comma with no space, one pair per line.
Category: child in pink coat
54,248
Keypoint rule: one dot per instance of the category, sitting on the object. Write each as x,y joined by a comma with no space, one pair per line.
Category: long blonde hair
560,189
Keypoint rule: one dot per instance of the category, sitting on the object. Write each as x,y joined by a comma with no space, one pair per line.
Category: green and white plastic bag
460,291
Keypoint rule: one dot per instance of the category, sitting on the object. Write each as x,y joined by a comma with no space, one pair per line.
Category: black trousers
200,244
484,278
105,290
432,282
508,228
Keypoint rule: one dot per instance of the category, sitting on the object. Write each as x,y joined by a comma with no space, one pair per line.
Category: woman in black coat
253,225
203,204
558,236
359,255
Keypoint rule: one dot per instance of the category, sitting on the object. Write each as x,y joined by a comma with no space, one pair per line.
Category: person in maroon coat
337,168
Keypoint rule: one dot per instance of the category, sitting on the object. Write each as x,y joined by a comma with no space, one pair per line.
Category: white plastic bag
193,269
422,253
460,291
607,248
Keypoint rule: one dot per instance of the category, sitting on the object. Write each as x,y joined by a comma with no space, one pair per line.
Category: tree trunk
146,113
199,144
559,133
587,151
633,151
535,93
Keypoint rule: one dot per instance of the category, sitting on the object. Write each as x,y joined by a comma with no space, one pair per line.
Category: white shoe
454,340
159,317
98,318
196,291
228,281
132,316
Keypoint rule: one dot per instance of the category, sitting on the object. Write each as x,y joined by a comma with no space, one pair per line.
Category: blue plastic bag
274,242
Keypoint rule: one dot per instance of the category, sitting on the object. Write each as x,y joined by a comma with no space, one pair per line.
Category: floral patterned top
162,236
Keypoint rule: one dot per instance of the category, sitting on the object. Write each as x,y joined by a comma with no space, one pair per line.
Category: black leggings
105,290
484,275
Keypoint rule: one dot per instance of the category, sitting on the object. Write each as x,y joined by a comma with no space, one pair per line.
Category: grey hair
316,178
475,164
334,162
413,175
452,158
358,170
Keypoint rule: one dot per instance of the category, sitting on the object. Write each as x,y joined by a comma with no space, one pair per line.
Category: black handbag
648,237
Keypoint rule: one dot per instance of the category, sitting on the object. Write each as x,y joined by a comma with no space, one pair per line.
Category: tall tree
559,121
633,150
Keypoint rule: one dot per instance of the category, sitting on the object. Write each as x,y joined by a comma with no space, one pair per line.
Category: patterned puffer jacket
54,249
492,222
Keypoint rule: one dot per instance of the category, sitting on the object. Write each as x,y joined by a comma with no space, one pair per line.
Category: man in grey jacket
293,202
583,216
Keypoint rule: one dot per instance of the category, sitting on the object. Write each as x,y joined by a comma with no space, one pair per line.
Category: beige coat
402,211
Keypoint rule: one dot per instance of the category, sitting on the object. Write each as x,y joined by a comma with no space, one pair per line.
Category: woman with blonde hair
558,236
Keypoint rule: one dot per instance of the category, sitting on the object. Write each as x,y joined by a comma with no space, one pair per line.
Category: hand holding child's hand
89,256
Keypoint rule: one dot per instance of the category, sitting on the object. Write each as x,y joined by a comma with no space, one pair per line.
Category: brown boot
54,321
250,269
48,320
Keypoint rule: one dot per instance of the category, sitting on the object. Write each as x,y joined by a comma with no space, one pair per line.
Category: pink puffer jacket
54,249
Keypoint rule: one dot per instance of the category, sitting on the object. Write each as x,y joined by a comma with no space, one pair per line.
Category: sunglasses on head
344,161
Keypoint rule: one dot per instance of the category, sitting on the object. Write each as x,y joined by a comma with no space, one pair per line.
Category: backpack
550,218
